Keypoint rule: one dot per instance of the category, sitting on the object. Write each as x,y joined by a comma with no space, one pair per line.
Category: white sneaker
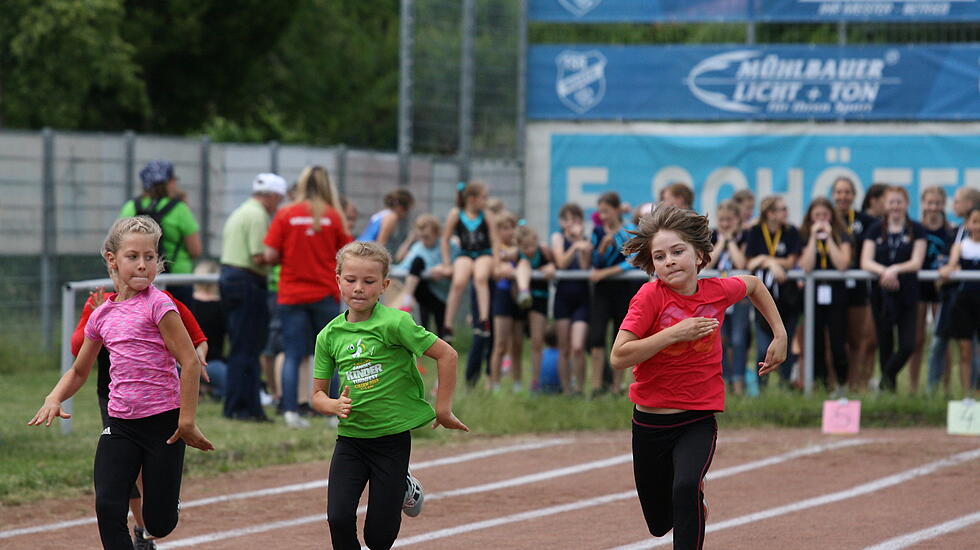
265,398
294,420
414,496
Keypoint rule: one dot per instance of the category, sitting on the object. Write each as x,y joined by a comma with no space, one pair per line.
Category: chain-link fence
61,192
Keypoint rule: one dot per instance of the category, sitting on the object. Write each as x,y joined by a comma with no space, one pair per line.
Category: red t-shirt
685,375
308,257
186,317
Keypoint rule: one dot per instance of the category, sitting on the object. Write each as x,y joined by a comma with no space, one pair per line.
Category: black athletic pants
890,314
833,318
671,455
126,447
382,461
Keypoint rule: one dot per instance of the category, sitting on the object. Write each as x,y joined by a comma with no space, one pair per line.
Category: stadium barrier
69,317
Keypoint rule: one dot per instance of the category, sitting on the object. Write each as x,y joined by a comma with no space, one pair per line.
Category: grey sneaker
140,543
414,496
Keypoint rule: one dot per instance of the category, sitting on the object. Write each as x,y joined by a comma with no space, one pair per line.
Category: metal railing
69,317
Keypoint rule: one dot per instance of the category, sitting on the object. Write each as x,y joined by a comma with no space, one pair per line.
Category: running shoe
140,543
414,496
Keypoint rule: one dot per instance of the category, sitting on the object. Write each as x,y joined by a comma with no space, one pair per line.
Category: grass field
42,462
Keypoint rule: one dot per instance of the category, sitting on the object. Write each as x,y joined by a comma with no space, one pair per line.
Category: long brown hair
315,187
837,229
692,227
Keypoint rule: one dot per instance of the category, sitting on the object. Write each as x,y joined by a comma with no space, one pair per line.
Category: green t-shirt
242,236
177,224
376,358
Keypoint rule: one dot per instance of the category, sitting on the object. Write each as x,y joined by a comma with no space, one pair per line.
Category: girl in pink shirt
151,411
671,337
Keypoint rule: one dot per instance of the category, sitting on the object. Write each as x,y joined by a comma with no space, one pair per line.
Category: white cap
269,183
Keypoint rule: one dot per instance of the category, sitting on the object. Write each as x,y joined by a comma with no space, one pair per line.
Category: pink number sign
841,417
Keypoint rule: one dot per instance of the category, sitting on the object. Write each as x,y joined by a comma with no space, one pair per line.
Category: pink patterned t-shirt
144,373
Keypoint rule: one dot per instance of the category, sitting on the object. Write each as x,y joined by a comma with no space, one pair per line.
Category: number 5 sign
963,417
841,417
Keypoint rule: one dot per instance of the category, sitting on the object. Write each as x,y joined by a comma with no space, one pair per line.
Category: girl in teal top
373,348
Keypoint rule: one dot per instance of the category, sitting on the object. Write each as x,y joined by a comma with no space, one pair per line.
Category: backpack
154,211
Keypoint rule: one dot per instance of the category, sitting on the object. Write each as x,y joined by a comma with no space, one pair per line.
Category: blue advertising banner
765,83
646,11
717,160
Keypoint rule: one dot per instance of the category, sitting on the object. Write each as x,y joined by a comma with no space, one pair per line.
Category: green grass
42,462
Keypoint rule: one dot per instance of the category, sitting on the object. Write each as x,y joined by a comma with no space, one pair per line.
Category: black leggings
890,314
833,318
671,455
126,447
430,305
384,462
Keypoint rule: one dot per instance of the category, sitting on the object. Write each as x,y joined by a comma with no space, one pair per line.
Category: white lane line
910,539
318,484
486,487
606,499
857,491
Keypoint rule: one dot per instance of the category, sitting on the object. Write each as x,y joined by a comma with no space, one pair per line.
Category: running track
881,490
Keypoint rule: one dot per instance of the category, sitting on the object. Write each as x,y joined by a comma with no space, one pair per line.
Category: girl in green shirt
373,348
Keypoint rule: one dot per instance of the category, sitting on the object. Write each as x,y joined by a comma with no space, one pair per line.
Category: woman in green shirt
373,348
181,241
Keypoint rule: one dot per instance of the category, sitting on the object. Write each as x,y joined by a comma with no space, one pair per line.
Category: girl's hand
605,243
341,406
47,413
694,328
191,436
944,273
596,275
548,271
202,353
98,297
449,421
889,279
775,356
778,273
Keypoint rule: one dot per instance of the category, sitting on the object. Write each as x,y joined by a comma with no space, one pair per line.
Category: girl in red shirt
671,338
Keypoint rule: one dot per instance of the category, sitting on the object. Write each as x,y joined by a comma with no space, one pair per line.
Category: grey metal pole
274,157
405,68
809,311
842,33
750,32
521,141
49,238
466,82
342,170
67,327
205,196
129,164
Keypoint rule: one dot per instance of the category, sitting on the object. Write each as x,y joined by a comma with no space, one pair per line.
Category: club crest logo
578,8
581,80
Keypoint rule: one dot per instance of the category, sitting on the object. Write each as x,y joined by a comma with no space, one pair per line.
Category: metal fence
62,191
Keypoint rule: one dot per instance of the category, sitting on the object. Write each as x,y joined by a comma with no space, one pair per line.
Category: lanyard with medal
851,283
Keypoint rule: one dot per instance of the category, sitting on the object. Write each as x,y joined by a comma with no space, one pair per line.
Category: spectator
964,200
772,248
746,205
861,334
893,250
938,242
383,225
161,200
243,288
679,195
421,256
207,309
828,247
965,327
610,297
305,237
532,295
572,250
728,254
508,317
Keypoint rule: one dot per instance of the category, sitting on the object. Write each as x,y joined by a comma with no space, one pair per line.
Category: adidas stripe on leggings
671,455
384,462
126,447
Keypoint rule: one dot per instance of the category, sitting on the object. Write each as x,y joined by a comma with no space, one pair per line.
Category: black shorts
964,319
857,295
572,303
610,302
928,292
502,304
